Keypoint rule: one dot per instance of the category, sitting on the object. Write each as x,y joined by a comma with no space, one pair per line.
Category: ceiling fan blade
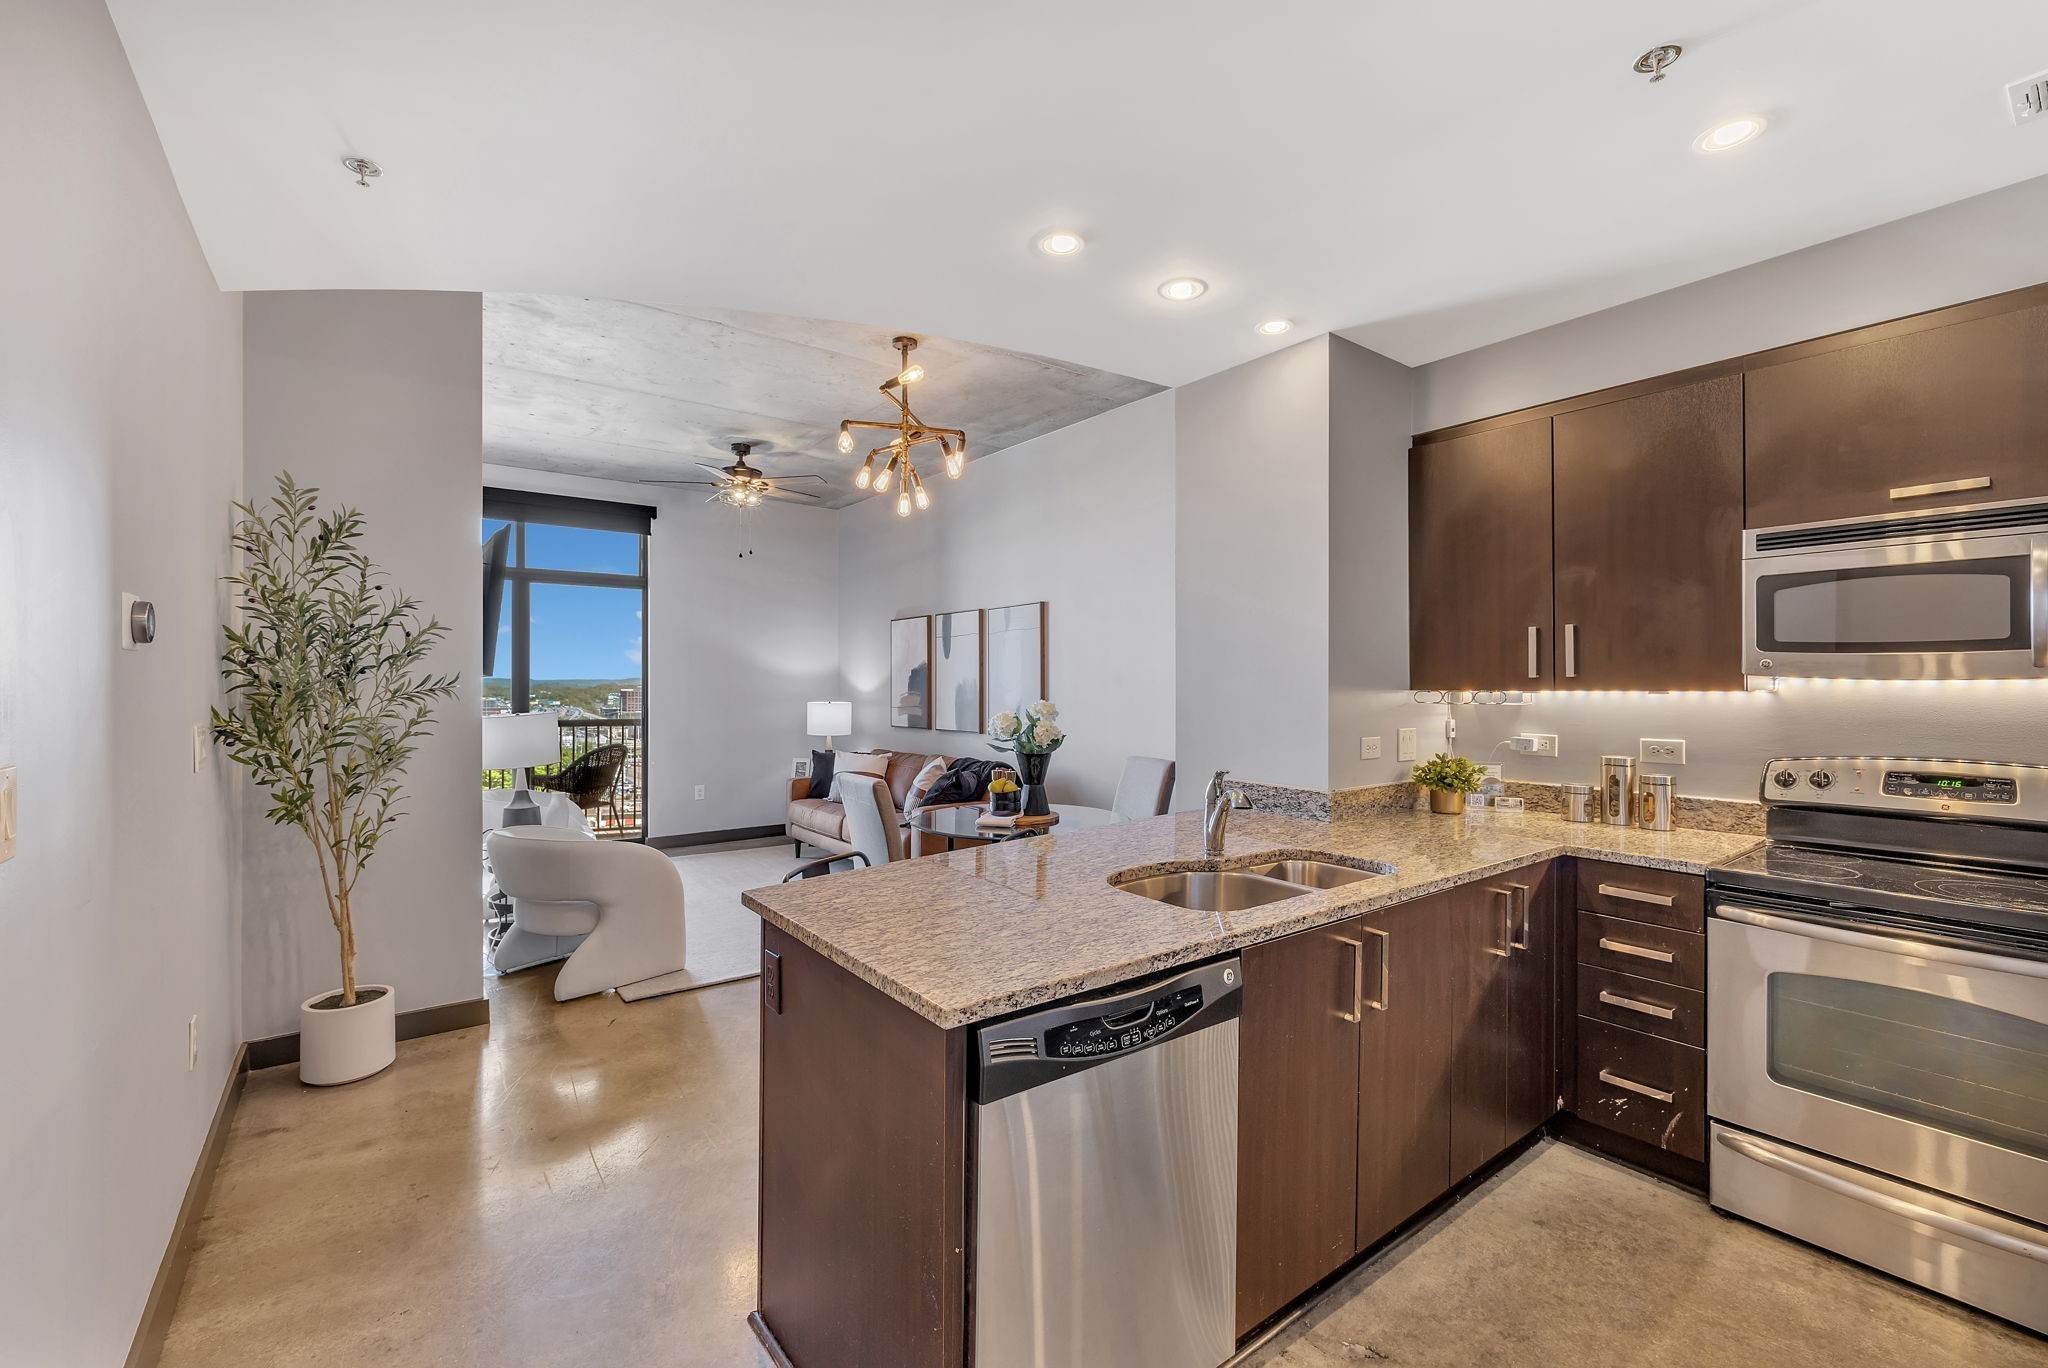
719,483
791,494
786,478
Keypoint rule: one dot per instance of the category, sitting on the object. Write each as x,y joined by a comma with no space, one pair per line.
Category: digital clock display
1965,788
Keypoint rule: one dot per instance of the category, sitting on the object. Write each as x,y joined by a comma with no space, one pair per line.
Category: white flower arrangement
1035,732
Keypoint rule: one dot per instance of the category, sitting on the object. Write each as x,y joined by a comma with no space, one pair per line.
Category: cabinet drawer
1642,950
1658,896
1640,1086
1657,1009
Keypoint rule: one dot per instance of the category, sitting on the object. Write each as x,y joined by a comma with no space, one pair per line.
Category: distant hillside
587,695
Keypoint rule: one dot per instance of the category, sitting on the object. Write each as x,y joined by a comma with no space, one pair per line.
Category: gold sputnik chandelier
910,432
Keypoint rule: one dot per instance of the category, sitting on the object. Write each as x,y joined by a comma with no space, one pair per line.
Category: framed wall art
957,702
910,673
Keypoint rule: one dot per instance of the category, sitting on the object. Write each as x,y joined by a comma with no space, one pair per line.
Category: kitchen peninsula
874,982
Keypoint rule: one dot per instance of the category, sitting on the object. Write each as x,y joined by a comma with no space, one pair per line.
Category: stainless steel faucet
1217,801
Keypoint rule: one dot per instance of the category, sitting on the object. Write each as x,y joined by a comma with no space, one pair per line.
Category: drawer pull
1637,1005
1921,491
1630,1085
1636,895
1639,951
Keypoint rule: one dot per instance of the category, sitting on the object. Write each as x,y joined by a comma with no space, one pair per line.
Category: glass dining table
956,824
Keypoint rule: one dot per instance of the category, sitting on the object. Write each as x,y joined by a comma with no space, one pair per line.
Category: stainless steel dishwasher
1105,1181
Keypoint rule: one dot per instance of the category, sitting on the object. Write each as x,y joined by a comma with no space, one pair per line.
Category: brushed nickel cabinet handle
1636,895
1639,951
1386,958
1637,1005
1630,1085
1571,650
1534,672
1921,491
1357,1012
1504,947
1518,900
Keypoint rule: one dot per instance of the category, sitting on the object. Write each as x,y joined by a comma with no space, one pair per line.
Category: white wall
1081,519
376,397
1251,570
120,451
736,646
1963,251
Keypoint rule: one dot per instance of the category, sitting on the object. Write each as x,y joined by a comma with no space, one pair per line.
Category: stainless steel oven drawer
1984,1258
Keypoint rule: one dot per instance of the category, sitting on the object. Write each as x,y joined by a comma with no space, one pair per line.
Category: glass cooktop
1938,892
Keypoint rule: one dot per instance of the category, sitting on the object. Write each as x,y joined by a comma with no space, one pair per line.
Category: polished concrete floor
576,1187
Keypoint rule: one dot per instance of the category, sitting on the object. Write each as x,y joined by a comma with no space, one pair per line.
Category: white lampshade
518,740
828,719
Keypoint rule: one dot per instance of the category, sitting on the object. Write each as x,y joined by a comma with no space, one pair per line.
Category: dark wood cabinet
1504,1062
1533,997
1853,427
1404,1061
1648,561
1298,1115
1479,600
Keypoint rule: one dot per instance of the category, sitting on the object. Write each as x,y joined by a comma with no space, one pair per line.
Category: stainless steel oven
1951,594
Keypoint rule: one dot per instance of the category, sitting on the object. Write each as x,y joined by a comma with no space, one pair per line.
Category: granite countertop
979,933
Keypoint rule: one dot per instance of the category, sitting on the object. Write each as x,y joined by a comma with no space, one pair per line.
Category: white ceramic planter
342,1044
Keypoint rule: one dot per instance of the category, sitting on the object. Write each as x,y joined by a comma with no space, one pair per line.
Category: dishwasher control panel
1125,1030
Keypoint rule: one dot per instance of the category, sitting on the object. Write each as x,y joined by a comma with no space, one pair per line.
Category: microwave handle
1890,945
2040,599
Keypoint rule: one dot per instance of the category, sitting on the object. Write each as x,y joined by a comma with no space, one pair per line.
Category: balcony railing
618,812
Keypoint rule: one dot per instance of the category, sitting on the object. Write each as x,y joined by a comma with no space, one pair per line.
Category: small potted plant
1449,778
1032,738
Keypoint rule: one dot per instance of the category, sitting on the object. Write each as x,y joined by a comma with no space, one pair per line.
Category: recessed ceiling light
1273,327
1183,288
1734,133
1061,242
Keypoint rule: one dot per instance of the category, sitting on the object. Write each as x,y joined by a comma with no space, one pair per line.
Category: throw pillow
965,781
921,786
821,773
871,762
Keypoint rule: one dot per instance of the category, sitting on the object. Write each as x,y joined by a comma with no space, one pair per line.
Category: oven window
1963,1068
1976,605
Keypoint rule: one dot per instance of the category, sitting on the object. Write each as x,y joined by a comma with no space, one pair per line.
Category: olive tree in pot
327,702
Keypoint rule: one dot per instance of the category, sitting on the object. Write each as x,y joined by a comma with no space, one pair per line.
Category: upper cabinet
1945,409
1649,540
1479,560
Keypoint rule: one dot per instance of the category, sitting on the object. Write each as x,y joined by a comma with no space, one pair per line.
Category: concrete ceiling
1424,177
635,391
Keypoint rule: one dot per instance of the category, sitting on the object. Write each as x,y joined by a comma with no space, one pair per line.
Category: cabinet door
1297,1115
1853,432
1649,541
1479,560
1404,1061
1533,1001
1485,930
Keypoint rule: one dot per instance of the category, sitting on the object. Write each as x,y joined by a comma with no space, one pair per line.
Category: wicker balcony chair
590,780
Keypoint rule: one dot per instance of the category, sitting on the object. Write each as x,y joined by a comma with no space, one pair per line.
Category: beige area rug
721,938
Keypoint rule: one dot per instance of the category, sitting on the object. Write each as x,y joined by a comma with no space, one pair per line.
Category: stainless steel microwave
1959,593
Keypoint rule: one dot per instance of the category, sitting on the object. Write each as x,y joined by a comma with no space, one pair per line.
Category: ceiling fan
741,485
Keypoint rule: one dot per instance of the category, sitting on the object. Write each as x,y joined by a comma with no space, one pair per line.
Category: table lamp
828,720
519,741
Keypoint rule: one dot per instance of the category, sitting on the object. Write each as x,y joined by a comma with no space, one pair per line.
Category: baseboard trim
697,838
272,1051
148,1346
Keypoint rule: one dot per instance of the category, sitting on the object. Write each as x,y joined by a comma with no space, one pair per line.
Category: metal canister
1581,803
1653,803
1618,789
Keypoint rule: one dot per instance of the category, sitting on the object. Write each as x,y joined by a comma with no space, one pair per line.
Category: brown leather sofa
821,822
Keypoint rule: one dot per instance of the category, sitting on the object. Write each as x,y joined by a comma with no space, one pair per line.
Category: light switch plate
6,812
201,738
1368,748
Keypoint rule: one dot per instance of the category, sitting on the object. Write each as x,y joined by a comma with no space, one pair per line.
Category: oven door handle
1890,945
2002,1236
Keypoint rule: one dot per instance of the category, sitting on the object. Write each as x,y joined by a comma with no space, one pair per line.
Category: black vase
1031,774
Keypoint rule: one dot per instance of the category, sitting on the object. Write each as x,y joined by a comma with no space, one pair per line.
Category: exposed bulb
882,480
865,476
956,457
911,374
846,440
924,500
903,504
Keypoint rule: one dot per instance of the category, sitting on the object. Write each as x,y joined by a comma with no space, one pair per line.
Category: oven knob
1820,779
1784,778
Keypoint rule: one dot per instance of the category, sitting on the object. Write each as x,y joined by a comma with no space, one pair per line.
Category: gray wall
735,647
1963,251
1251,571
1079,518
120,452
376,397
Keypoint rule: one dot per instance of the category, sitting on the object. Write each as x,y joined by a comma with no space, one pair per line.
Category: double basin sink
1235,890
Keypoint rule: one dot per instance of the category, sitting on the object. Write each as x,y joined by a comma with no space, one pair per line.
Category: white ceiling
1423,177
634,391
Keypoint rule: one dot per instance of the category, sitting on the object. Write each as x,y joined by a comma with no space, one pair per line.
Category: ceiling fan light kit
910,432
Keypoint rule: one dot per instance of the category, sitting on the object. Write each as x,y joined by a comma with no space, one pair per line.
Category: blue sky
579,632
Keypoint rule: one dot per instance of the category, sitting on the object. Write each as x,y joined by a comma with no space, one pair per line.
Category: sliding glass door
567,635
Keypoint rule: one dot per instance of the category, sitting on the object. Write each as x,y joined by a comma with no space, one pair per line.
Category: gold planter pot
1450,804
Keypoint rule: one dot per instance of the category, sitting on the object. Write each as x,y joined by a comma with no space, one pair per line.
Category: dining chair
1145,789
871,827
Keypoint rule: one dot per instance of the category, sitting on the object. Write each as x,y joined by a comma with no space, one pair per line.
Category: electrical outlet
200,739
1535,743
192,1044
1651,751
6,812
1405,744
700,791
1368,748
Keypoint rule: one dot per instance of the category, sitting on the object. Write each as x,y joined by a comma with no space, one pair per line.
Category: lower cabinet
1504,1054
1403,1088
